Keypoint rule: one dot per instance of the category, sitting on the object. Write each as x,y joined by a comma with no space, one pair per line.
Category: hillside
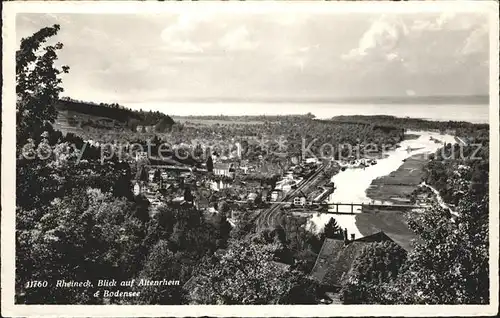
80,117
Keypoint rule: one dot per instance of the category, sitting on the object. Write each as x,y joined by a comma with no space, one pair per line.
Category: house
288,175
295,159
252,197
224,169
140,155
265,195
299,200
312,160
287,187
137,188
178,200
217,186
153,187
276,195
151,175
244,169
185,175
238,150
336,258
285,184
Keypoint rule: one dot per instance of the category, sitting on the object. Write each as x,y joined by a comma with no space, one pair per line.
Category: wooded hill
75,114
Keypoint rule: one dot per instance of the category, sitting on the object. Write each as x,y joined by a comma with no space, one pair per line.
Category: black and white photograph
239,153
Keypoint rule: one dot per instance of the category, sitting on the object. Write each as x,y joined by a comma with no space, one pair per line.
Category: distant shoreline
474,113
404,100
255,118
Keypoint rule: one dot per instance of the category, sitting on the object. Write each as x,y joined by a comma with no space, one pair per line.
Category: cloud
382,37
433,24
431,44
198,33
477,41
237,39
450,21
177,37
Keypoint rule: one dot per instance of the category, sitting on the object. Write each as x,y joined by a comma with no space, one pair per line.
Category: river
352,184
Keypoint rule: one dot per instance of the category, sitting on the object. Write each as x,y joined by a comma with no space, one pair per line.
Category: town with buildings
240,183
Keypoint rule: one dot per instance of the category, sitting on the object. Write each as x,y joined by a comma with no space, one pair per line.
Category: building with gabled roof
336,258
224,169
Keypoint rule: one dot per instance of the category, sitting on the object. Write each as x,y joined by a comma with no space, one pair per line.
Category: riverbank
397,186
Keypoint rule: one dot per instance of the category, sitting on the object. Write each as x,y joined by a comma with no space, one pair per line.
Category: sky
258,56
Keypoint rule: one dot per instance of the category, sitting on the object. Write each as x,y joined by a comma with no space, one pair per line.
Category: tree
223,207
246,273
378,264
223,230
188,196
164,124
143,174
332,230
85,235
122,187
157,175
37,84
198,152
450,265
210,164
161,264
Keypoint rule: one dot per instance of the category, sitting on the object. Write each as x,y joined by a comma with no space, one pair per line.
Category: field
209,122
397,185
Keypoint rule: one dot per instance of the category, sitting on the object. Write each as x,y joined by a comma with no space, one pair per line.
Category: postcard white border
120,7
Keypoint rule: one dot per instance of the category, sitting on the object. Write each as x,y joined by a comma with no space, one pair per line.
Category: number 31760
37,283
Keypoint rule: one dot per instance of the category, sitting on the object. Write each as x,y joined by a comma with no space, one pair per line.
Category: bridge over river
345,208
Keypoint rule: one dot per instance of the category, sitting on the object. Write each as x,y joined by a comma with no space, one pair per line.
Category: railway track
272,216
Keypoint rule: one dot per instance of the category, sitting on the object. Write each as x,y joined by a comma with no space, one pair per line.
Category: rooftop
222,165
336,258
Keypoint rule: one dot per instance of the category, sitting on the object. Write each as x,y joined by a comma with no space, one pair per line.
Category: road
273,216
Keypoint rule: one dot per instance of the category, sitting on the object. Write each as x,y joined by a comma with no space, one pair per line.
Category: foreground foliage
247,273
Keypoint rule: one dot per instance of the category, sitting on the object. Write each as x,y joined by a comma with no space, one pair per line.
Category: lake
477,113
